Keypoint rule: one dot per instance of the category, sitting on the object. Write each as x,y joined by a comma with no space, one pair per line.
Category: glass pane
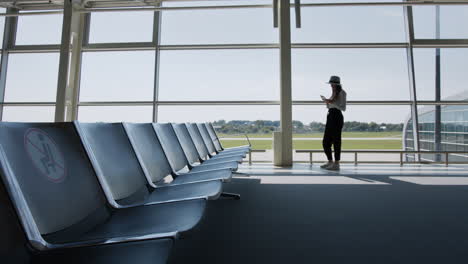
32,77
115,113
42,29
453,135
454,81
210,113
121,27
252,2
28,113
341,1
349,24
219,75
426,121
2,23
451,19
366,74
379,114
454,63
215,3
424,22
408,142
219,26
117,76
424,70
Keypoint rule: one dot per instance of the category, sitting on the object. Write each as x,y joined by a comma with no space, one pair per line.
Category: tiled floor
361,214
362,170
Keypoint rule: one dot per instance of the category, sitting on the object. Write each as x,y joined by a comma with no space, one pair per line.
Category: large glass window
115,113
32,77
117,76
349,24
219,75
121,27
40,29
366,74
28,113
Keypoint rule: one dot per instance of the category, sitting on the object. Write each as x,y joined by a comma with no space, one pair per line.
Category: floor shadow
285,223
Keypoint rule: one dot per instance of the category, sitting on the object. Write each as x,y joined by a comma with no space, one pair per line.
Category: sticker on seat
45,154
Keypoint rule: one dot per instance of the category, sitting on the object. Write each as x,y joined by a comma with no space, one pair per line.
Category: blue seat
141,252
154,160
191,151
63,208
128,181
201,146
211,147
217,141
179,163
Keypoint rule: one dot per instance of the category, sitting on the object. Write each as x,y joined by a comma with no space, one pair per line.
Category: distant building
453,134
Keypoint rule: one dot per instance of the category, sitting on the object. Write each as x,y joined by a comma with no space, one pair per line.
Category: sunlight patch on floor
316,180
434,180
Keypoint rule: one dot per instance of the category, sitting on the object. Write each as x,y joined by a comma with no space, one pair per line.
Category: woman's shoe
334,167
326,165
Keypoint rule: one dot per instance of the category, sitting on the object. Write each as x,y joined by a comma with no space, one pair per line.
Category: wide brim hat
334,80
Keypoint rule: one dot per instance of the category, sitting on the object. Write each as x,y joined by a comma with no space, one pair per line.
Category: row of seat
102,192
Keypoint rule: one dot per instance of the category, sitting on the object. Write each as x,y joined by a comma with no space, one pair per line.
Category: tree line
268,126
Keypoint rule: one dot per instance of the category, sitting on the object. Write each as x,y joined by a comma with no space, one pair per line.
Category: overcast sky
367,74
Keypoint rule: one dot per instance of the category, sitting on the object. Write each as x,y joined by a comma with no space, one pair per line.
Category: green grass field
396,134
317,144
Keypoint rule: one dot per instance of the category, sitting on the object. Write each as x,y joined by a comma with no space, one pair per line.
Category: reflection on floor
361,214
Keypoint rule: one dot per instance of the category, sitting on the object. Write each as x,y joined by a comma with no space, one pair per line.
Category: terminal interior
190,131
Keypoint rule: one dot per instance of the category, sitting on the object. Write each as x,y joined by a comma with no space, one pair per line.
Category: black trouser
333,133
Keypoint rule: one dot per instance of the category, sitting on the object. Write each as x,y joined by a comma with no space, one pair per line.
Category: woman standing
332,136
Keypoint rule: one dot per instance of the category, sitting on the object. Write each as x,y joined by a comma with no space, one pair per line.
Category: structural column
408,13
284,22
438,114
70,64
156,42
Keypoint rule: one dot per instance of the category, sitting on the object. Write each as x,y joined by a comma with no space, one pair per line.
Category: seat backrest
114,160
171,145
198,140
187,143
149,151
206,138
50,180
213,136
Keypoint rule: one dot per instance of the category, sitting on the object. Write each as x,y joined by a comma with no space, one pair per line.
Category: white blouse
340,102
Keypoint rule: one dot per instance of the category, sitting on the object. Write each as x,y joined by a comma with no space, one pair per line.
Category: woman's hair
338,88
